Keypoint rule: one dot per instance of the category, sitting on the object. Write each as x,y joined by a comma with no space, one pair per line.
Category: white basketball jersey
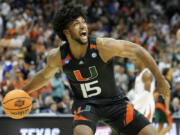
139,85
144,100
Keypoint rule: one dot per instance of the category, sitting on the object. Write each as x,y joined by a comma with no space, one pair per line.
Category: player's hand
178,34
163,88
168,111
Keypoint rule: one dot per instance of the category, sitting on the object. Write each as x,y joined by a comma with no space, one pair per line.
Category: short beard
78,40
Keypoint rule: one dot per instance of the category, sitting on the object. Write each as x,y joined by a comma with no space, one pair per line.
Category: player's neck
78,50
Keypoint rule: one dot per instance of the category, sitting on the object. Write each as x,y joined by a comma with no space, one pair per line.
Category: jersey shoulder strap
92,40
64,50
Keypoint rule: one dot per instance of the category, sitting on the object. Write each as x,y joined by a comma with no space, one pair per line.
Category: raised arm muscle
109,48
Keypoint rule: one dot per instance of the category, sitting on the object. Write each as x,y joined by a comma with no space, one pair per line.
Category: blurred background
26,36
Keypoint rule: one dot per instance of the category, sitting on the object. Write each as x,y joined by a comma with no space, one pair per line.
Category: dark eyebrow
70,23
75,21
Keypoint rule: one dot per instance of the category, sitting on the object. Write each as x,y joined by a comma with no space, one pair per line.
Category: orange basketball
17,104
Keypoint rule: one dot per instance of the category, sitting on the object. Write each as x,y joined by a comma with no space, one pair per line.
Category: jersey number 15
89,91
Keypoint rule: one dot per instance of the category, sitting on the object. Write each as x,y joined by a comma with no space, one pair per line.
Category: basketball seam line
15,98
18,108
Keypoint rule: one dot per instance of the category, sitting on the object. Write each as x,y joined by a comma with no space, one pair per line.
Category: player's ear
66,32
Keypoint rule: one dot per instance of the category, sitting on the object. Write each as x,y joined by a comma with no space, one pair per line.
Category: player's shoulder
104,41
106,48
53,56
53,52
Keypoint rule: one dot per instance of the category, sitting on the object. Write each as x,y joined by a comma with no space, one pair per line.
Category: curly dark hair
65,15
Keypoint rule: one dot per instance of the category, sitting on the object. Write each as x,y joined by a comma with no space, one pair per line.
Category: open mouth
83,34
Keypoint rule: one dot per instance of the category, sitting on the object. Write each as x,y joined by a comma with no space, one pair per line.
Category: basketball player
143,99
88,65
162,112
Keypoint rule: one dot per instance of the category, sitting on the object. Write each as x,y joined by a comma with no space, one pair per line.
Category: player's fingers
164,95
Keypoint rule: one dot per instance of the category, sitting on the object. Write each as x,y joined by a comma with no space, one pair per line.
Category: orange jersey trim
76,117
79,117
163,108
93,46
149,115
129,114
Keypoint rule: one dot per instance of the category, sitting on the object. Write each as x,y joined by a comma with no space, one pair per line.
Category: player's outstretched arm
178,34
43,76
109,48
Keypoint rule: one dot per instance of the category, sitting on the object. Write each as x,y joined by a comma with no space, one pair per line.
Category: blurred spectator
35,107
176,93
175,105
50,106
176,73
58,89
52,109
121,77
32,70
5,84
59,94
18,82
43,92
1,26
5,8
1,108
45,103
